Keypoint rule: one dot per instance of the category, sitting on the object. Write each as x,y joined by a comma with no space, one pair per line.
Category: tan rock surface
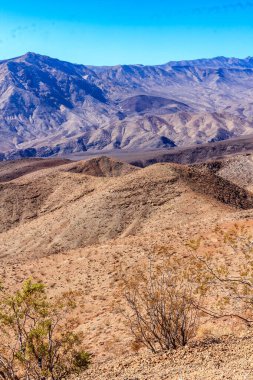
81,232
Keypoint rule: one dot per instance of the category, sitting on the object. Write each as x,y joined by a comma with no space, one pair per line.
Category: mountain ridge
194,62
50,107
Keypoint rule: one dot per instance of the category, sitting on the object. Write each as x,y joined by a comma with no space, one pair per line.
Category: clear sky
110,32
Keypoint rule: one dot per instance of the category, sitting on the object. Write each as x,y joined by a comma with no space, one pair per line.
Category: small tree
163,307
37,340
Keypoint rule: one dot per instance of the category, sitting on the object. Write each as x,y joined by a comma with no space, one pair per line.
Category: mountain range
49,107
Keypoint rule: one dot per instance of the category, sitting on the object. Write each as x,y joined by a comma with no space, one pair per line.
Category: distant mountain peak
31,54
49,107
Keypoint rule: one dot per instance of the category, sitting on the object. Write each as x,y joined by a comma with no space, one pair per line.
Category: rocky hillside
214,359
81,225
49,107
58,205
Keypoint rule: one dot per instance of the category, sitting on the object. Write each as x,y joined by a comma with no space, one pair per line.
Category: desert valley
127,190
84,225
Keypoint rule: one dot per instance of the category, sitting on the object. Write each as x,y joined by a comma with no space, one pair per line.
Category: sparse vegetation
227,277
164,313
168,301
37,337
189,288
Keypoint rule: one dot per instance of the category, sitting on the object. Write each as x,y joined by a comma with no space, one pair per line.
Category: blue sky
134,31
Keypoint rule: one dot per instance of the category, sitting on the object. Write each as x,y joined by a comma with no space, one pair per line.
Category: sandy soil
83,231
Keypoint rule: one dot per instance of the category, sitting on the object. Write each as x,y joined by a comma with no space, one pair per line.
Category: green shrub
37,340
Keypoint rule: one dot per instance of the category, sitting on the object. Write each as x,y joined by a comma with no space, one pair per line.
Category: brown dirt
10,170
217,359
81,232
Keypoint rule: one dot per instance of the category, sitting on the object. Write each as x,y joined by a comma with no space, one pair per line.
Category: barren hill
101,167
80,225
83,203
13,169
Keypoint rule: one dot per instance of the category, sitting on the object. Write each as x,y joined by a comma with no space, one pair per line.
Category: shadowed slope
90,202
10,170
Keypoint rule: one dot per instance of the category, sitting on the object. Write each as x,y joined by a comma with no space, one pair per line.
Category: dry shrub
213,281
225,263
164,307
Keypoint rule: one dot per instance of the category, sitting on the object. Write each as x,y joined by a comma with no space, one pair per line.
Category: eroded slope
83,231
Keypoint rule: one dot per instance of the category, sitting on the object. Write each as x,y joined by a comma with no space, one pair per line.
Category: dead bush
164,311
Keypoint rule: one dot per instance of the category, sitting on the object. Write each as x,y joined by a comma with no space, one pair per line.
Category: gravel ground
227,358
